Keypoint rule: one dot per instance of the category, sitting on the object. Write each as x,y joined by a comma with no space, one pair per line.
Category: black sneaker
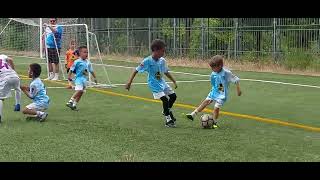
0,119
172,117
170,124
43,117
189,116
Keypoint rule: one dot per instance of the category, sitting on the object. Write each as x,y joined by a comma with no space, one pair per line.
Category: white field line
204,75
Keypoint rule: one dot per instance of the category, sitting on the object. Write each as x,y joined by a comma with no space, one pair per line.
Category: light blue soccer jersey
220,84
38,93
81,68
57,35
155,70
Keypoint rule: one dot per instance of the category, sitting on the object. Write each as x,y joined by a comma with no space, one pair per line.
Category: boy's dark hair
82,47
35,69
216,61
157,44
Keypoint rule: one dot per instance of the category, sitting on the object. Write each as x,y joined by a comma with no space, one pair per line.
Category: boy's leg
78,97
17,94
33,110
79,88
200,108
172,99
1,107
165,106
216,111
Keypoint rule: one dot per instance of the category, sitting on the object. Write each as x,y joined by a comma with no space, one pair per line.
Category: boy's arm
128,85
69,75
53,29
172,79
238,88
26,90
94,76
233,78
10,61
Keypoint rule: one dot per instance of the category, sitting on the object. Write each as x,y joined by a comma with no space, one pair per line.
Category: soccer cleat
50,77
71,106
214,126
0,119
43,117
170,124
171,115
55,78
189,116
17,107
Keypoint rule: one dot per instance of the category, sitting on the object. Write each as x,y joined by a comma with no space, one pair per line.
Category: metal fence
205,37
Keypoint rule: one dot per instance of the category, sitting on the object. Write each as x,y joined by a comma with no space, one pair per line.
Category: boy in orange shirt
71,55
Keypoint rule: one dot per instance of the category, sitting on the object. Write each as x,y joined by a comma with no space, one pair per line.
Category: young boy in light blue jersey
38,93
156,66
80,68
220,80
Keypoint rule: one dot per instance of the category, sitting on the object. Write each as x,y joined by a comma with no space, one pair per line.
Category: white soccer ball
206,121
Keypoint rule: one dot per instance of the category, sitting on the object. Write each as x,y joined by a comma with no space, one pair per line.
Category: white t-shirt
5,68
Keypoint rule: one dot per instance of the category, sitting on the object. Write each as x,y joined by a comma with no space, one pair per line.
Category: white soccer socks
193,114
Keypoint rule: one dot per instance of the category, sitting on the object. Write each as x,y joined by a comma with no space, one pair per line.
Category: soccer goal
24,37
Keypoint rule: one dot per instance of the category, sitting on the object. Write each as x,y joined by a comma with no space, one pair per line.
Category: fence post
174,37
235,37
149,33
108,26
202,38
274,44
128,36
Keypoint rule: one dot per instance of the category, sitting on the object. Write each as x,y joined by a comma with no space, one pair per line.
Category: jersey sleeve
165,67
232,78
143,66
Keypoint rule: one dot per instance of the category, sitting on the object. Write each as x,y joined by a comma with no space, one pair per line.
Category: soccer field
271,121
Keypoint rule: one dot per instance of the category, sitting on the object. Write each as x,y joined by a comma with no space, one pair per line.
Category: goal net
23,37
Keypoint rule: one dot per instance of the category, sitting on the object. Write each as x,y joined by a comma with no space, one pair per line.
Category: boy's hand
175,85
127,86
239,93
24,88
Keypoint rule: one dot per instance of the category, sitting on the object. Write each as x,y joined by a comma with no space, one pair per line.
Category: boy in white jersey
220,79
81,67
9,79
156,67
38,93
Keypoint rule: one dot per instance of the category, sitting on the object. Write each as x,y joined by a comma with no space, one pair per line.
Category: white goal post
23,37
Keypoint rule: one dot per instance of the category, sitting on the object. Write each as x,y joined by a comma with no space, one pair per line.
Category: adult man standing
53,34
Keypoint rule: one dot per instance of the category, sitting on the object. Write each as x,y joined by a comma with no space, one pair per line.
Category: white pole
40,40
104,68
87,35
5,26
45,45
